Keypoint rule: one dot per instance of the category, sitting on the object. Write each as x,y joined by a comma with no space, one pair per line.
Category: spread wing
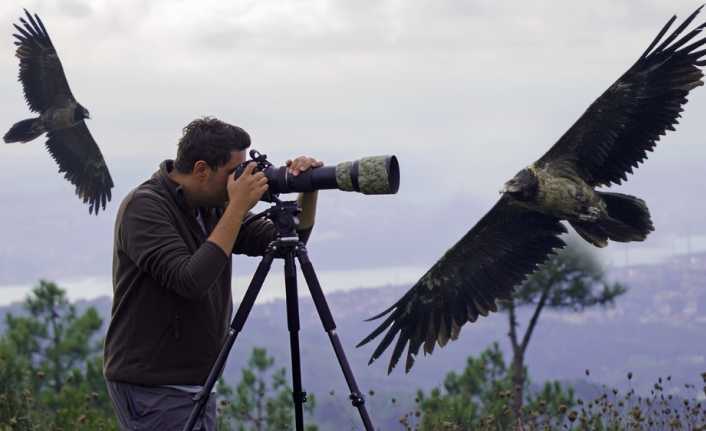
615,133
41,74
507,244
81,160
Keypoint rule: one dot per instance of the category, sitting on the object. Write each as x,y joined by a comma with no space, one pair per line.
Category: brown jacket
171,287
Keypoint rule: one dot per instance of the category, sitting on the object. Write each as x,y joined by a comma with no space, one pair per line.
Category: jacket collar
175,189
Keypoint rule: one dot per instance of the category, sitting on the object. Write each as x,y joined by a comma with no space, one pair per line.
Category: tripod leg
290,281
236,326
330,326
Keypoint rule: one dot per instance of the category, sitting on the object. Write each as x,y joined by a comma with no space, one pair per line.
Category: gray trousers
157,408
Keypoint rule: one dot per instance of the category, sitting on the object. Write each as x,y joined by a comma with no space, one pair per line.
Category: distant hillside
658,328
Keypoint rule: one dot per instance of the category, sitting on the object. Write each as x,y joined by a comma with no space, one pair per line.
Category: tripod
286,246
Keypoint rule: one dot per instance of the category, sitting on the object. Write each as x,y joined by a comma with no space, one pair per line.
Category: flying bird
61,117
523,229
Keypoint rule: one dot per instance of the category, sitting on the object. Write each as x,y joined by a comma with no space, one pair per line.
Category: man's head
208,151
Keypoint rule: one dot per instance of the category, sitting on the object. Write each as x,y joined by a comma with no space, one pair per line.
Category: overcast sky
464,93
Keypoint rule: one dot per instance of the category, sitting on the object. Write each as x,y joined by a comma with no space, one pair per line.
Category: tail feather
628,220
628,213
24,131
591,232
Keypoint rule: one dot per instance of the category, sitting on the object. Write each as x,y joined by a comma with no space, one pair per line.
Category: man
172,303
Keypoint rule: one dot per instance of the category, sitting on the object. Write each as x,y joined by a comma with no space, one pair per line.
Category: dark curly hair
210,140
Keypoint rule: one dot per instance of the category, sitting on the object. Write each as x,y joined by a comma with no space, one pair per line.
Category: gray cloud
76,8
465,93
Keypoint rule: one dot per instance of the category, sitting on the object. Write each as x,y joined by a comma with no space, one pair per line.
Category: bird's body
556,191
524,227
60,116
562,196
55,118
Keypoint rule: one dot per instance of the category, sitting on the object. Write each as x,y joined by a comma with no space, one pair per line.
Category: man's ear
201,170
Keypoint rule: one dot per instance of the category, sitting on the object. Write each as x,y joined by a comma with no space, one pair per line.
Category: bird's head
81,113
523,186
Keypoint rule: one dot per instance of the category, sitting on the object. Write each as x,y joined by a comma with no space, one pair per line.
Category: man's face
215,185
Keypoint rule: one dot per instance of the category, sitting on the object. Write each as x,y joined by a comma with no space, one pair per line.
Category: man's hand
302,164
243,194
247,190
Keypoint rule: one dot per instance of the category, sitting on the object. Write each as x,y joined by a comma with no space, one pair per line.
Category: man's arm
243,194
228,227
152,241
307,202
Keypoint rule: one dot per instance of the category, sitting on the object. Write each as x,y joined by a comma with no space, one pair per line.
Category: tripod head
284,215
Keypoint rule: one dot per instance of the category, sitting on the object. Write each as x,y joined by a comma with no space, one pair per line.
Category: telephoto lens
376,175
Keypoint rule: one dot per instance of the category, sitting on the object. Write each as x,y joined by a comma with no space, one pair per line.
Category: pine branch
513,326
535,317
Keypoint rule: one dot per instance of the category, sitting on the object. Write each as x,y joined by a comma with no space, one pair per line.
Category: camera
369,175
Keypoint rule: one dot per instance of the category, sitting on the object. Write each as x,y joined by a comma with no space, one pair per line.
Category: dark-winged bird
47,93
523,228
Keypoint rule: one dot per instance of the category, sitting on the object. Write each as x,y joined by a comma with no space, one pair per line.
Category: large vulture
523,228
47,93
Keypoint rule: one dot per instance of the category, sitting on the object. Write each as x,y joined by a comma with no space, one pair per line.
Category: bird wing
507,244
80,158
615,133
41,74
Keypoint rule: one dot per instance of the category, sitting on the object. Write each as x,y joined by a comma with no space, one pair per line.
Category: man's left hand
302,164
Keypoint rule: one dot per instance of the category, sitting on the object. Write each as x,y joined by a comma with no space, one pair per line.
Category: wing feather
507,244
624,124
41,74
82,163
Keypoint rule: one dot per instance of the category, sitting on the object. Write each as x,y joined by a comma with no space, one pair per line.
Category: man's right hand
247,190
